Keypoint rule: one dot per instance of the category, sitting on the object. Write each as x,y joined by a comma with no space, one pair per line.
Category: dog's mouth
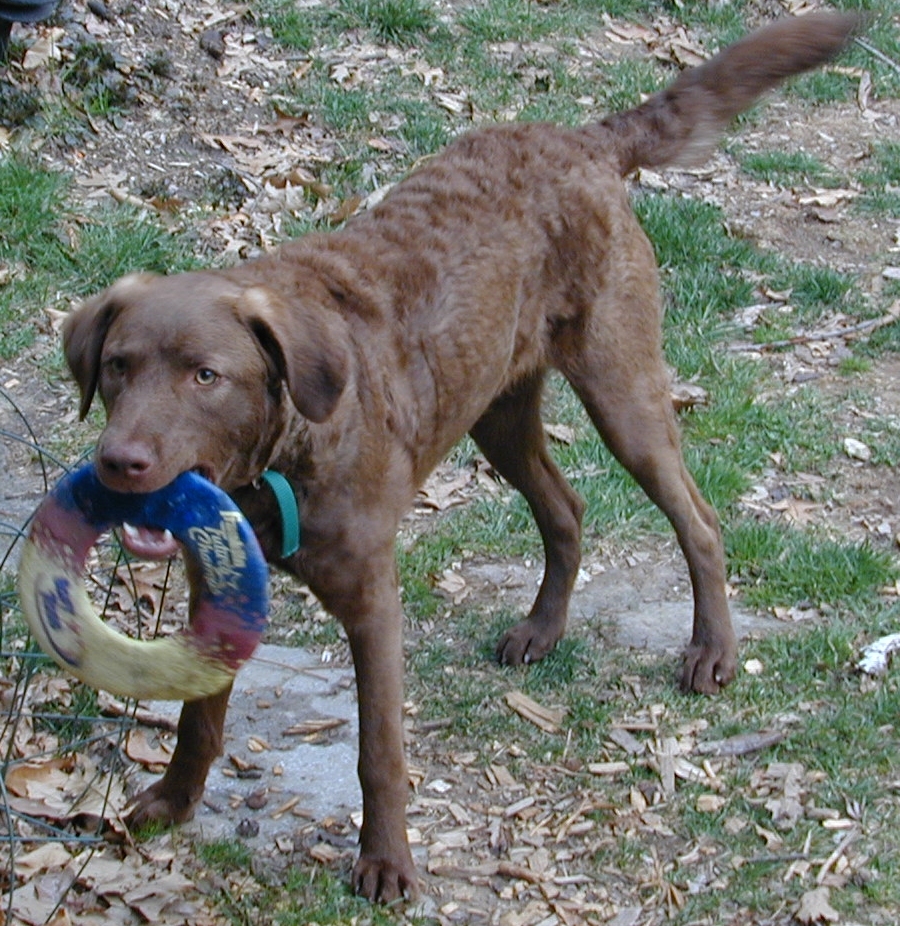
148,542
206,472
153,543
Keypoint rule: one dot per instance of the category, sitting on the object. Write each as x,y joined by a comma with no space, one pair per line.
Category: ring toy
229,598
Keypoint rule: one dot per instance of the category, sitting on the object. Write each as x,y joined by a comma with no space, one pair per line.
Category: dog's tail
679,125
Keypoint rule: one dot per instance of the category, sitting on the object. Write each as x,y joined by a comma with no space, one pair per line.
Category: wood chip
546,718
314,727
515,809
282,809
625,740
324,853
608,768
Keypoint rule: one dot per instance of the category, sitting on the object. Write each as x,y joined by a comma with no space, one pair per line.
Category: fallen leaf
49,856
441,492
44,50
816,908
561,433
688,395
710,803
139,749
828,198
453,585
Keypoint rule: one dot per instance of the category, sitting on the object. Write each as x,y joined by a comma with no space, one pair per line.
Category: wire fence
62,749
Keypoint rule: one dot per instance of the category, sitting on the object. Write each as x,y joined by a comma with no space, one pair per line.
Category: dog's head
193,370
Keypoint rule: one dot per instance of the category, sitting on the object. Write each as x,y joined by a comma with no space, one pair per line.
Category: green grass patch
780,566
881,181
50,254
783,168
403,22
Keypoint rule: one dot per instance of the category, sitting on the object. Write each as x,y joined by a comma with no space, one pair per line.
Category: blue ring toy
229,598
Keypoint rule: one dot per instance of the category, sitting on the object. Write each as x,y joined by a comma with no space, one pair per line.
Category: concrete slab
276,690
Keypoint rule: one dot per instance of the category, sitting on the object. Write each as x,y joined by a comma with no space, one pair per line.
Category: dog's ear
309,344
85,330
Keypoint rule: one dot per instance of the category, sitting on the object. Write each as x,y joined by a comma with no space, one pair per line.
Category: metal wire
77,732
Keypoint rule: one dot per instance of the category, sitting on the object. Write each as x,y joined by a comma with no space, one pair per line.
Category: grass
512,59
402,22
783,168
778,566
52,255
881,181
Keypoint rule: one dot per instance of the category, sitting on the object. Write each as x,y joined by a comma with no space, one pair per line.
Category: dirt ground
207,116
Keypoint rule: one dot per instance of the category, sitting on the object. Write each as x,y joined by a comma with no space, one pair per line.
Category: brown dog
352,362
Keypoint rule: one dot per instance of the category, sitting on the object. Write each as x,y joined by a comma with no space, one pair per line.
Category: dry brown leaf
827,198
441,492
453,585
815,907
711,803
630,32
140,749
152,898
456,103
44,50
688,395
49,856
65,788
772,840
561,433
346,209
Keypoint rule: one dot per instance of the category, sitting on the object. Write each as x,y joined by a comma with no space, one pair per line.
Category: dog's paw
160,805
708,669
526,642
383,881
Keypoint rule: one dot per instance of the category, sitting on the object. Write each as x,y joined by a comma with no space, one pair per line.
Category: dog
351,362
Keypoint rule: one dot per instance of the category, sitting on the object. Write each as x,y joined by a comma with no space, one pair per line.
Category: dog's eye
206,377
115,365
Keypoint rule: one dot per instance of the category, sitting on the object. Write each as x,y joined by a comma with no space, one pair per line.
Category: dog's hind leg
511,435
614,363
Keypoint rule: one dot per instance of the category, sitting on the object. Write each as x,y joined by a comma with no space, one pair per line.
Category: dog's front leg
174,798
373,621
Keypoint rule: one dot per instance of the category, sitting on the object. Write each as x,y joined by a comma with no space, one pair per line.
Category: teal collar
287,506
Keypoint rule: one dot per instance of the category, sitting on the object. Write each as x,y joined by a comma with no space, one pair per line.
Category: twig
742,744
870,324
777,858
838,852
112,707
121,196
880,55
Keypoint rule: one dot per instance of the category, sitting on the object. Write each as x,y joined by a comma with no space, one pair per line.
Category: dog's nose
124,467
